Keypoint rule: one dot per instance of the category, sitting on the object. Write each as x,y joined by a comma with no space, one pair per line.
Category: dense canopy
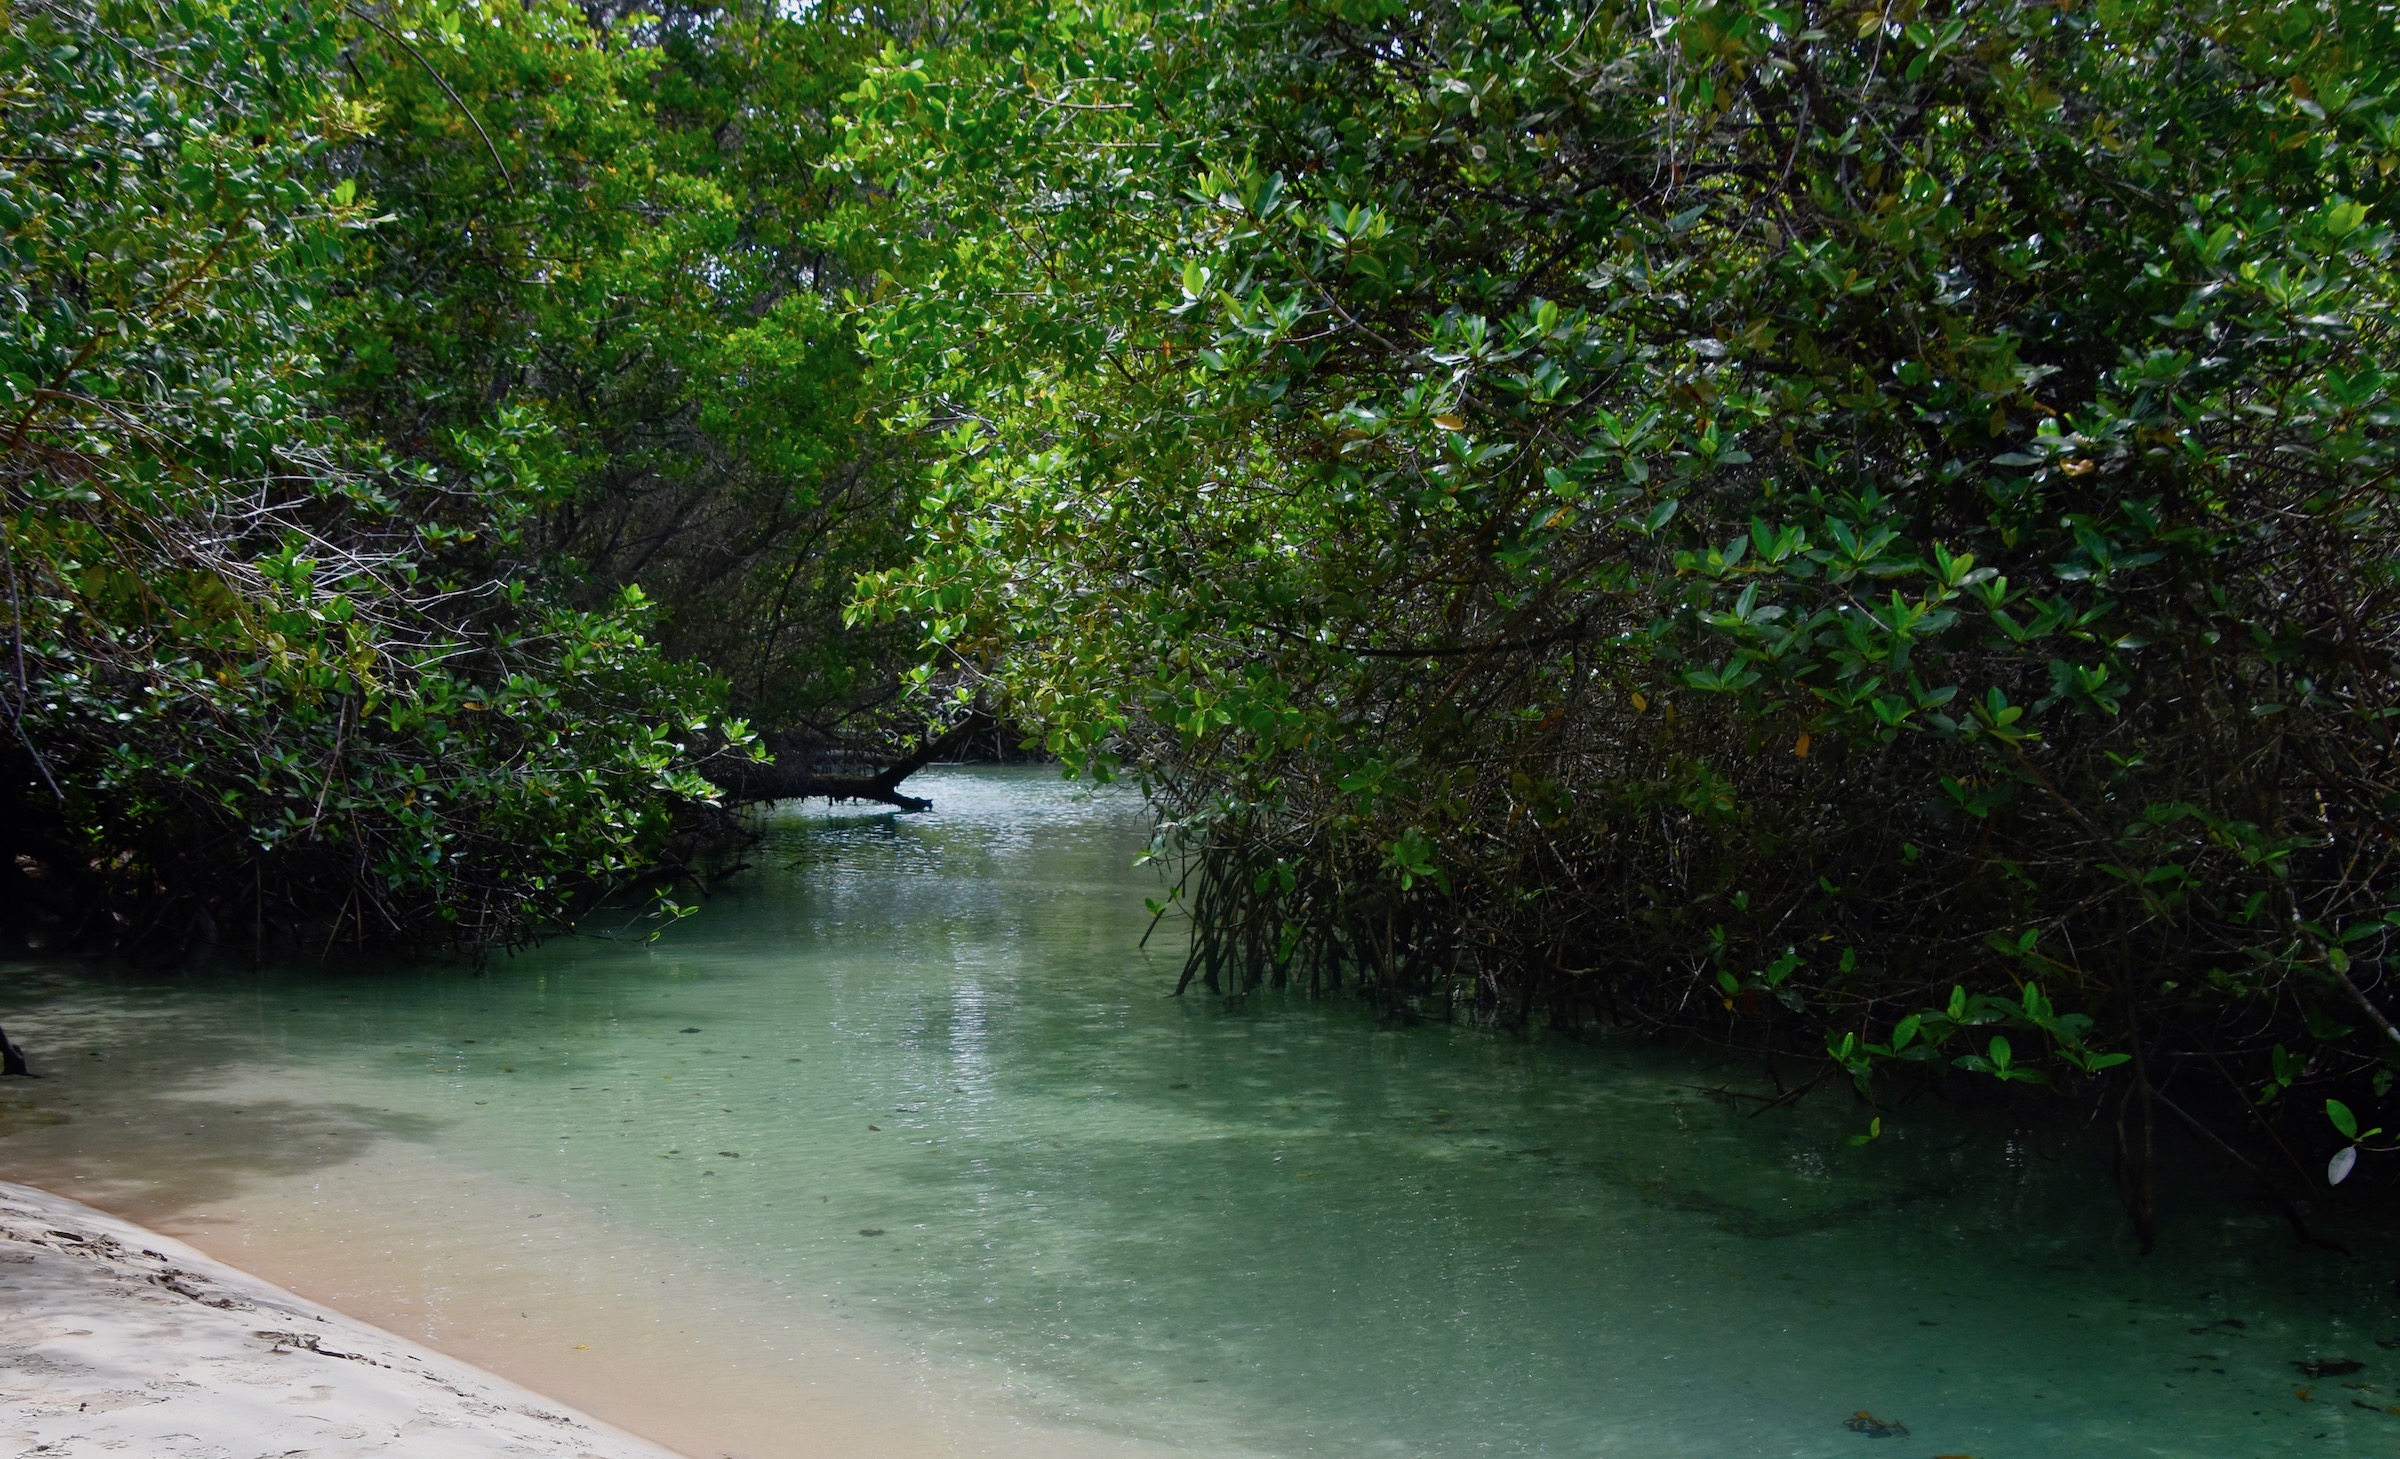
1855,528
1860,532
426,425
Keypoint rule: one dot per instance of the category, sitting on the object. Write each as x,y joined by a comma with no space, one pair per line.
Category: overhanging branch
791,778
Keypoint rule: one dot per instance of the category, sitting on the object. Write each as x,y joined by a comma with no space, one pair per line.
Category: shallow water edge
898,1142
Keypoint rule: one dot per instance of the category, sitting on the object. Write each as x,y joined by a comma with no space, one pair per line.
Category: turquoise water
1275,1228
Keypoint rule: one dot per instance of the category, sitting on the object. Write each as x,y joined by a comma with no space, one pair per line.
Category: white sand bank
115,1340
648,1333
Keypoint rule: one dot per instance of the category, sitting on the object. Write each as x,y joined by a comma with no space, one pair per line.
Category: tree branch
455,99
751,783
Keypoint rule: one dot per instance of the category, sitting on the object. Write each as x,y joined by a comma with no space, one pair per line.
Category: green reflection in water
1278,1227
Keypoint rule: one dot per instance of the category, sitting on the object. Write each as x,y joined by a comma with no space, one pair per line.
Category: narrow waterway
910,1089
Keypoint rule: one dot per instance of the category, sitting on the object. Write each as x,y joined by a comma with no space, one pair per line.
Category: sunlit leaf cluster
1828,525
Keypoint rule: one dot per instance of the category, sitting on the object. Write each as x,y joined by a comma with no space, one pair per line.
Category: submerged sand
116,1339
505,1278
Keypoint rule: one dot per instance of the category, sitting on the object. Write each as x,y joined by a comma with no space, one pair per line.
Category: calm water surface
1278,1229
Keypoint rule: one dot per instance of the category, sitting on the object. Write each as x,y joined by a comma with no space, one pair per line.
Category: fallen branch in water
754,783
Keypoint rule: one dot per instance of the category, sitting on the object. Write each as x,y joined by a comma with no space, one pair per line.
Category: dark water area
921,1061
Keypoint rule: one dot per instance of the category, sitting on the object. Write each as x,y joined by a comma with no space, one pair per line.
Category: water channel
911,1088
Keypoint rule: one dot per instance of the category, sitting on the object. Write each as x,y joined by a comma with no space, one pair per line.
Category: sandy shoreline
116,1339
510,1279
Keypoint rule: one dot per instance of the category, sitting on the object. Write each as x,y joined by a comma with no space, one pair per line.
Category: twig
16,639
2370,1009
1793,1094
456,100
2290,1213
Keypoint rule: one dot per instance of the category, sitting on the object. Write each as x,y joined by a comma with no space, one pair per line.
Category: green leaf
2343,1120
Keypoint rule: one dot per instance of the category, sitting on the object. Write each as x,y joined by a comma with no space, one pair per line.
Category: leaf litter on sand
1863,1422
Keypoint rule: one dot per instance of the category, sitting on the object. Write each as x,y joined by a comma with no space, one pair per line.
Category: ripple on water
913,1074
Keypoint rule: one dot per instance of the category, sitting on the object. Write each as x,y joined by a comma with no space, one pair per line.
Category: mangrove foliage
1859,532
1864,531
428,435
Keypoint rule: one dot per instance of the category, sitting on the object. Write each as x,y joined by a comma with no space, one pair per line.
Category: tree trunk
788,776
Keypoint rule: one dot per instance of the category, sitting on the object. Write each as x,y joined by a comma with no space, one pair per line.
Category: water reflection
1270,1226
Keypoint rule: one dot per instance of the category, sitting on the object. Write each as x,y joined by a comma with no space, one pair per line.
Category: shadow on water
151,1087
1279,1227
